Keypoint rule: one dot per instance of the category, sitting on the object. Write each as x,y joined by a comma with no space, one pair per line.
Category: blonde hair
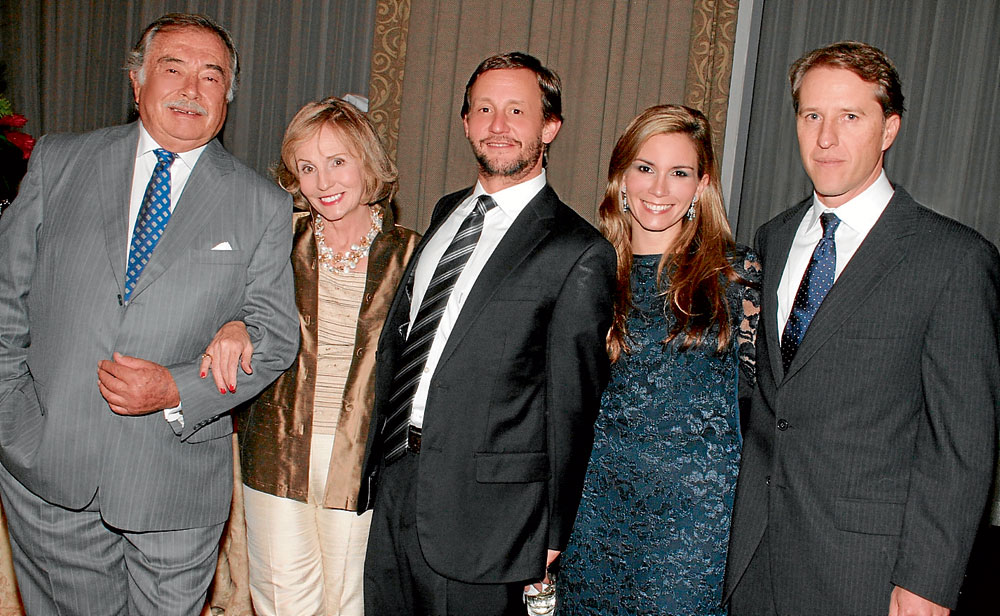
380,175
701,252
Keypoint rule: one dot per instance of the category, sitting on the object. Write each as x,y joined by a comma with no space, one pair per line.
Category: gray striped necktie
424,327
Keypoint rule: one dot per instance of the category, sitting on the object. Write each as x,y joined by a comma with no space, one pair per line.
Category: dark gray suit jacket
868,463
510,414
62,256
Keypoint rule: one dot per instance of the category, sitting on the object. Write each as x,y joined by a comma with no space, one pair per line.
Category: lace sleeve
750,271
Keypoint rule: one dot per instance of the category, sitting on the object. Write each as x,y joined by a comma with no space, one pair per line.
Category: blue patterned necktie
815,285
152,220
425,325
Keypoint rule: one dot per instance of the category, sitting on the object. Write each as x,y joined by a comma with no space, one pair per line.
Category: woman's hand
230,346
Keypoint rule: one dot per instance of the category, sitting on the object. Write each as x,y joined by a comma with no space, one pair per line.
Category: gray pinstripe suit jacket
62,256
868,463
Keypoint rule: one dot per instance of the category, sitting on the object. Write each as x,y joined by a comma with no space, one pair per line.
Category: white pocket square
222,246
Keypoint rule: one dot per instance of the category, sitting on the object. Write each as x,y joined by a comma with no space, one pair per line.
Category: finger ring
204,355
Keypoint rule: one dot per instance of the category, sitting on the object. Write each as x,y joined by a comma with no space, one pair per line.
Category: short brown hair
548,81
867,62
178,21
379,171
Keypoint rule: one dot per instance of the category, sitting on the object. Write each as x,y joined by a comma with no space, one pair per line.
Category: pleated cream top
339,302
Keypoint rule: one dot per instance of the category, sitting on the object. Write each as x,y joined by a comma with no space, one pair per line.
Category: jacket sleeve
272,321
578,369
954,454
19,229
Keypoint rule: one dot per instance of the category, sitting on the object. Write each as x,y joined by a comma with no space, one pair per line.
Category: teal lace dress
653,526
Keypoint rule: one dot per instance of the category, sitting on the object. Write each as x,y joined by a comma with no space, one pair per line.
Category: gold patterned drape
385,87
615,58
710,63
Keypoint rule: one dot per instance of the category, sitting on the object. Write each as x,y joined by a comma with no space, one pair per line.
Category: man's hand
550,558
134,386
905,603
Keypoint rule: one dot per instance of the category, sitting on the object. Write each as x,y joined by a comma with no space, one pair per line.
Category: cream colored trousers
304,559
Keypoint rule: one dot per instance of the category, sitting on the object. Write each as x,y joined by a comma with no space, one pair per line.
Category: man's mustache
183,105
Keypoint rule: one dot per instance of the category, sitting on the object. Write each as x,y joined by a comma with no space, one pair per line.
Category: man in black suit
490,369
869,448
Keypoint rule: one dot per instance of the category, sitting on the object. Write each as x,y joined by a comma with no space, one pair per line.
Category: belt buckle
413,439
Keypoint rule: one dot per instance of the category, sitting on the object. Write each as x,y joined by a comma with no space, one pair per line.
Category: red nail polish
232,389
202,375
222,391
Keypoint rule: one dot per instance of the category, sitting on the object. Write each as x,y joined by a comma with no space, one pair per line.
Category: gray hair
171,21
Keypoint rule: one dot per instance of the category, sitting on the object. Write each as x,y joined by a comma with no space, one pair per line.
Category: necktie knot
484,204
165,157
830,222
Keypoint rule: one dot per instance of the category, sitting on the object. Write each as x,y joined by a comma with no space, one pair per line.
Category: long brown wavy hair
700,256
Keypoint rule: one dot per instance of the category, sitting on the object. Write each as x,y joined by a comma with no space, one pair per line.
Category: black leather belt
413,439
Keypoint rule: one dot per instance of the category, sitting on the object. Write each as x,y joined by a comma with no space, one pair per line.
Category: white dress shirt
510,202
180,171
857,217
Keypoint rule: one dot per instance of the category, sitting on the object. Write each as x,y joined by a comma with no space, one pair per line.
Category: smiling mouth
493,143
656,208
331,199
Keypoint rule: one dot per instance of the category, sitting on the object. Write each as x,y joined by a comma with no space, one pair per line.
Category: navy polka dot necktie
151,221
815,285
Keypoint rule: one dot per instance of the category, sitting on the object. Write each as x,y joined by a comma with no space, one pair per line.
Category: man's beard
514,168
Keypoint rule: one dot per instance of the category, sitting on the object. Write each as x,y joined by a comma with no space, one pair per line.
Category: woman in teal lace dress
653,526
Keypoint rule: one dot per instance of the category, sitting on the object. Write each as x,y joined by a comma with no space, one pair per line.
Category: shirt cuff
175,415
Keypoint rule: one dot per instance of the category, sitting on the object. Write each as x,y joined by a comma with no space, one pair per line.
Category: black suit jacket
868,463
508,425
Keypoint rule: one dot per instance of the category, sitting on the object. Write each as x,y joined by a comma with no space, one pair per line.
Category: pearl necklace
338,263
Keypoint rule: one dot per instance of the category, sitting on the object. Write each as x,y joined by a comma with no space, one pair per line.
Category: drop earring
624,201
690,212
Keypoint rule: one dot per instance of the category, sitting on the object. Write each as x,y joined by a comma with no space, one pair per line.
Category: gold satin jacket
276,432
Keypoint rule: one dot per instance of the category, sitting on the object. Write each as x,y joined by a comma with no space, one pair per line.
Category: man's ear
890,130
134,78
549,130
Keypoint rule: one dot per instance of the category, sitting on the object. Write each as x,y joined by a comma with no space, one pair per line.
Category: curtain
948,57
64,61
614,58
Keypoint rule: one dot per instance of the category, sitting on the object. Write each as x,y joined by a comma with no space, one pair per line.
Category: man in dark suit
124,252
490,370
869,449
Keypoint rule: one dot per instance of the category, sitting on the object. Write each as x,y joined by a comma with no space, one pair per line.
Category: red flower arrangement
9,122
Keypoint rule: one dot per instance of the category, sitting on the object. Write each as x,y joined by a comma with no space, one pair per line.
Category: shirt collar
147,144
514,199
860,213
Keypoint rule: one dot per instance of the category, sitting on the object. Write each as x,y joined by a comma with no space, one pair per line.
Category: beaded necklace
343,263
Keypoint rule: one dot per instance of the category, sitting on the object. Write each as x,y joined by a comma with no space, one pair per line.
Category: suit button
368,298
767,480
782,425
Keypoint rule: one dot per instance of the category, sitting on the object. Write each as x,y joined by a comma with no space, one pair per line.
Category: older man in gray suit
126,249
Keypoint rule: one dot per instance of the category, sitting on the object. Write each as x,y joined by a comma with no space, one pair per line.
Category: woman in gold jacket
302,441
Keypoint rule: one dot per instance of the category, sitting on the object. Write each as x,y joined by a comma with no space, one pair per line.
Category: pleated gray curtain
948,57
64,61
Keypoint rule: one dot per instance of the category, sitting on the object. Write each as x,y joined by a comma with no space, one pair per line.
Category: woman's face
660,185
330,176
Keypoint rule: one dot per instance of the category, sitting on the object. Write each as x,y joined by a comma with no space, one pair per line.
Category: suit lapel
776,252
877,256
114,188
532,225
198,203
